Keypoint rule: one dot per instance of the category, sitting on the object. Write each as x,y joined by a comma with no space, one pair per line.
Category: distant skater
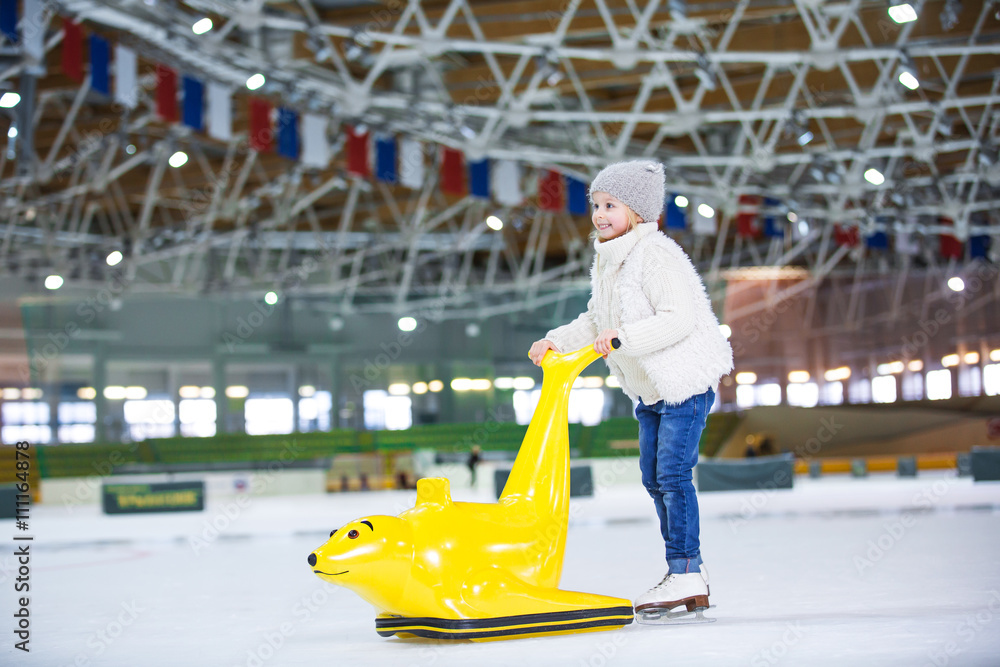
474,458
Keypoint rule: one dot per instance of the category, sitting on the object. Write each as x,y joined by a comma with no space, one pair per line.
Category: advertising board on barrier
155,497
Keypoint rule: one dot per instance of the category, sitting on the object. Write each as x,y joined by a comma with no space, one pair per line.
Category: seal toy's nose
312,559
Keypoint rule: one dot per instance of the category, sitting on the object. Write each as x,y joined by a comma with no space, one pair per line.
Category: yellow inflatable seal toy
480,571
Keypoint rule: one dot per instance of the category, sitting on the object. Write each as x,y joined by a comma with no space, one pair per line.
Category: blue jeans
668,450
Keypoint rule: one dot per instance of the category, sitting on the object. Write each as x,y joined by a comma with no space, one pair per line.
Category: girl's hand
538,350
603,342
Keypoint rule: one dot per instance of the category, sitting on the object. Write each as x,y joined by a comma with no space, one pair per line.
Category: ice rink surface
875,571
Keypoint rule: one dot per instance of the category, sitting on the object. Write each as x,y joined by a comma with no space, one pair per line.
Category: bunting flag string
506,182
675,216
773,227
551,195
948,245
845,236
748,217
8,20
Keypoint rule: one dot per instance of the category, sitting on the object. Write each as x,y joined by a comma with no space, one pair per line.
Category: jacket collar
612,253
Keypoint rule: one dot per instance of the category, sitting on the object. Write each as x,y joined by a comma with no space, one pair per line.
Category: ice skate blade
667,617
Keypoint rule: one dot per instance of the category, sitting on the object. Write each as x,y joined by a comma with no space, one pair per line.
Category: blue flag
288,133
194,96
979,247
479,178
385,160
99,58
676,217
8,20
576,200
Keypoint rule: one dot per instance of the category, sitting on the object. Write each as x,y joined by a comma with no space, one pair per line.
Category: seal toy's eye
353,534
332,532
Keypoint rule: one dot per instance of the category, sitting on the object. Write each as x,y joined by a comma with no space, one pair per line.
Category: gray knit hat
639,184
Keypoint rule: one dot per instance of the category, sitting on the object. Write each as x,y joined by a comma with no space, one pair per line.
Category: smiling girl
646,293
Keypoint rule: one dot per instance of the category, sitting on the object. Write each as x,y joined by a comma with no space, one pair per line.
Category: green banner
161,497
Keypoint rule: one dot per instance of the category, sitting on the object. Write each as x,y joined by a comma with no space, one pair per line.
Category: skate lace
663,582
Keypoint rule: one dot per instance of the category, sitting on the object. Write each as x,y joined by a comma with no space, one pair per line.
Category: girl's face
610,216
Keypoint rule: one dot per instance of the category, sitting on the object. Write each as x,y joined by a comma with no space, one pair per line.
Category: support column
100,403
221,401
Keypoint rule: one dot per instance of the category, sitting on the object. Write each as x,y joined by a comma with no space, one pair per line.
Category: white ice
876,571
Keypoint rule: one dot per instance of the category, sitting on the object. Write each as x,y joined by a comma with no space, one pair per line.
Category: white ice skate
687,593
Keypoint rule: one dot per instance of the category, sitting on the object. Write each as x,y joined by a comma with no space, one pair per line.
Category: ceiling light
908,78
956,284
178,159
237,391
9,100
805,138
706,211
307,391
746,377
12,132
406,324
916,365
255,81
949,360
419,387
399,389
435,385
53,282
114,258
130,149
837,374
971,358
874,176
798,377
902,13
271,298
726,330
202,26
494,223
681,201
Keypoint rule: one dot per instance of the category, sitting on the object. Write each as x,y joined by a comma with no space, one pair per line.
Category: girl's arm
671,295
579,333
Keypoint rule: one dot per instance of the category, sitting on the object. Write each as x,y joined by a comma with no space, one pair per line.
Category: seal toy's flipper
434,491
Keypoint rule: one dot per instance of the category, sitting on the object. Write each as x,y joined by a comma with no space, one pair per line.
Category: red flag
261,135
845,236
452,171
72,50
950,246
748,217
357,153
551,191
166,93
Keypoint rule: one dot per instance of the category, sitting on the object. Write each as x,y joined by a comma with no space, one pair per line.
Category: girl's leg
649,428
678,436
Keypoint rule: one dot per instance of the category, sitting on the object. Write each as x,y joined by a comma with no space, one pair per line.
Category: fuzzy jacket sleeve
667,289
579,333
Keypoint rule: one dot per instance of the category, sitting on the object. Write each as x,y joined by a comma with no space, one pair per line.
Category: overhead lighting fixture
798,377
12,132
908,77
86,393
680,201
803,227
406,324
307,391
435,386
9,100
726,330
53,282
419,387
890,368
202,26
237,391
524,383
114,258
130,149
612,382
189,391
837,374
271,298
805,137
255,81
178,159
494,223
971,358
956,284
949,360
916,365
706,211
792,216
114,392
902,13
746,377
399,389
874,176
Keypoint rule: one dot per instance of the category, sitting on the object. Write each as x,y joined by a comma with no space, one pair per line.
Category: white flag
906,244
315,145
506,182
33,35
126,77
411,163
702,225
220,112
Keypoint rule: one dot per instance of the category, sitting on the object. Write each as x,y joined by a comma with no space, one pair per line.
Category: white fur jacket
645,286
